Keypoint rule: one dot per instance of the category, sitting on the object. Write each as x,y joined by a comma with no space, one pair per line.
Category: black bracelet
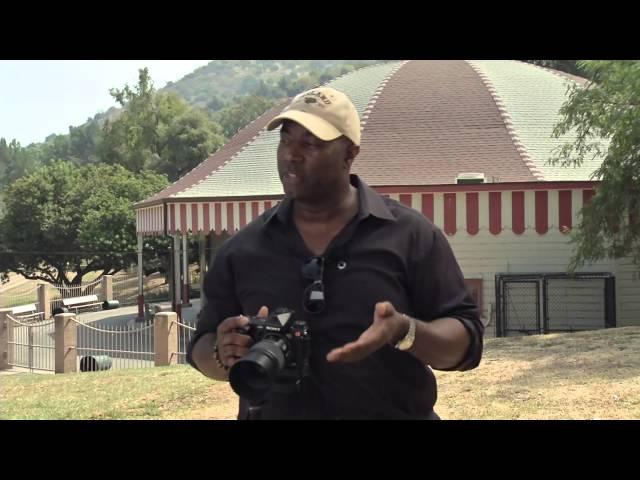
216,354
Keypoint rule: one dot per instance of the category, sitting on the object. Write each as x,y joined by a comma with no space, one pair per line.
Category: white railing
124,347
185,332
31,345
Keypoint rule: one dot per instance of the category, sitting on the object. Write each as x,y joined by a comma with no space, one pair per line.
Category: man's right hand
233,345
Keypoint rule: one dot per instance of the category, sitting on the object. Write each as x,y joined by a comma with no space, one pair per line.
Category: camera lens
251,376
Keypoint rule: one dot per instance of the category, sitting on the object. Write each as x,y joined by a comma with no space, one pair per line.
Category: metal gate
528,304
122,346
31,344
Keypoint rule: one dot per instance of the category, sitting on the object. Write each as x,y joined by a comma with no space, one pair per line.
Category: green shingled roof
432,120
253,170
533,97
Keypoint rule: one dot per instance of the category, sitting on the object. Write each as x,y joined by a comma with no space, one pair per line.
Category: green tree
66,219
80,146
55,147
5,158
158,131
568,66
84,143
188,140
607,111
241,113
214,103
16,161
132,139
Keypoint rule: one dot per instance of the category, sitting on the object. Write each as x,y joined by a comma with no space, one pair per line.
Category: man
376,282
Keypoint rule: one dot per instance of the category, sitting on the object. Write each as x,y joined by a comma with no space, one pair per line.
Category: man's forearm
204,357
441,343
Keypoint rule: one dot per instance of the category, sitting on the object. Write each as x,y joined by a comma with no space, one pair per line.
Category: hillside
221,82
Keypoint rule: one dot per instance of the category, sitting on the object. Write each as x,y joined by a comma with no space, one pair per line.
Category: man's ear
352,153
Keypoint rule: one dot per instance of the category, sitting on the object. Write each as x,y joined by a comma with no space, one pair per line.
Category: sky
41,97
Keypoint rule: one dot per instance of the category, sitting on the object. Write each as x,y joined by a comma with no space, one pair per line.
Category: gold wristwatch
406,342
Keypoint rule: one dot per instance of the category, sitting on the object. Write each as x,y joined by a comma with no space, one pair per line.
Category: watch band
216,355
406,342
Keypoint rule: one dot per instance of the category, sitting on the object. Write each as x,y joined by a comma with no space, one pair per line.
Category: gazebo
466,143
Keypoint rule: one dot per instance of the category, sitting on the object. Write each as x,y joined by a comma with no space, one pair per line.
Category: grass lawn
583,375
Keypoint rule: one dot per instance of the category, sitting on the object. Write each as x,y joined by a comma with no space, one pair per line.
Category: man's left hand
388,326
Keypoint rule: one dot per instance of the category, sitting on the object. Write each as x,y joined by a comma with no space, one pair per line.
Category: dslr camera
278,360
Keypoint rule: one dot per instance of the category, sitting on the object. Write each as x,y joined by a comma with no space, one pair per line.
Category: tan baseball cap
325,112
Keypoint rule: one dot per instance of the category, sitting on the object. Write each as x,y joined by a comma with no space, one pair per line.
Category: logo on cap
320,95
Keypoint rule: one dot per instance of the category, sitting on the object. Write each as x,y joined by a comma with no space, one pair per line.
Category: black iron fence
536,303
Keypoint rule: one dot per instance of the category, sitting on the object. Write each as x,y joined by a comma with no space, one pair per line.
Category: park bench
76,303
27,312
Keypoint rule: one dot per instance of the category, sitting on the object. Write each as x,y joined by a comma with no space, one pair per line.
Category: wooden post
107,286
165,338
44,300
202,245
186,281
6,336
140,281
176,276
66,333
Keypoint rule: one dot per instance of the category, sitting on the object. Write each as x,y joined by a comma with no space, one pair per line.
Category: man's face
310,168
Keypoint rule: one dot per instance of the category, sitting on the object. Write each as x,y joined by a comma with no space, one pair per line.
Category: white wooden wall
484,255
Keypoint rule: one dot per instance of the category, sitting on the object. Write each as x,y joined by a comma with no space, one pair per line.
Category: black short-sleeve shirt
388,252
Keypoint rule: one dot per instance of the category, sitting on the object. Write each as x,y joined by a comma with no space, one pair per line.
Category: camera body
278,359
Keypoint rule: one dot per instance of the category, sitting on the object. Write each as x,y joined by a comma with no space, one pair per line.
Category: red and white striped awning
199,216
533,207
537,207
150,220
